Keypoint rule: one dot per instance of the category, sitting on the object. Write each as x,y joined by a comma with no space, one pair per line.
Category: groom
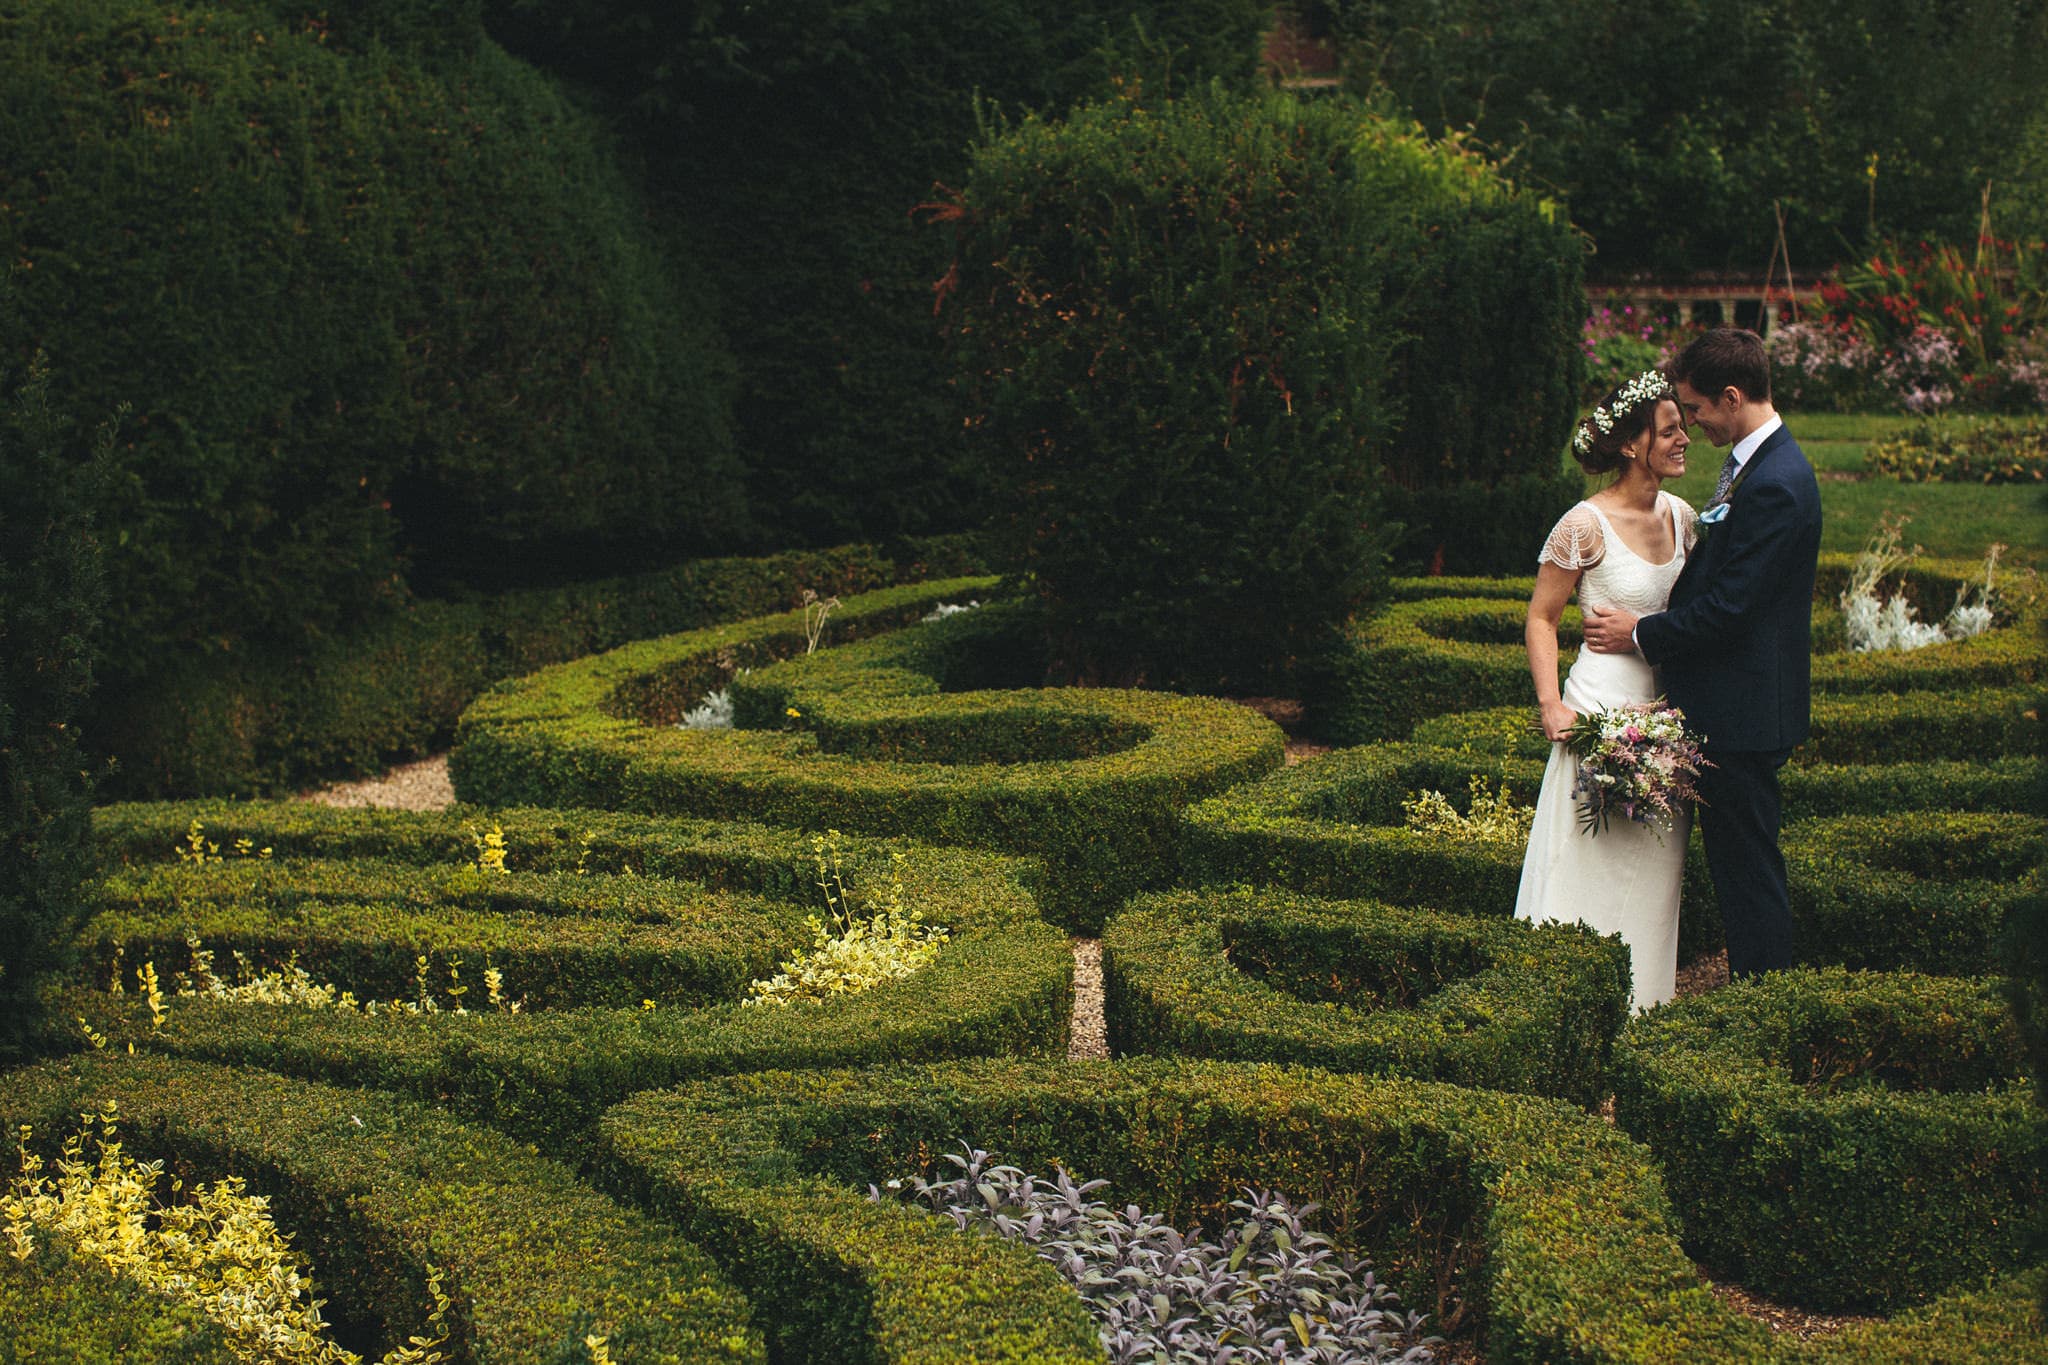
1735,644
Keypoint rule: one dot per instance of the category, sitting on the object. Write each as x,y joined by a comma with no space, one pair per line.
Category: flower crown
1647,386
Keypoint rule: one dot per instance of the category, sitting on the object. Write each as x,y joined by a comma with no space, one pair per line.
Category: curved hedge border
880,750
560,939
1919,891
1858,1141
381,1186
1333,826
1004,983
1933,729
1353,986
1551,1228
1403,665
57,1308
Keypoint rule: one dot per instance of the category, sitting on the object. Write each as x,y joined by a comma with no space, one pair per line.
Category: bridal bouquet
1636,761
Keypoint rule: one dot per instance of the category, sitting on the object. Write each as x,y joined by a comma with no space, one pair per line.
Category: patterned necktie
1721,484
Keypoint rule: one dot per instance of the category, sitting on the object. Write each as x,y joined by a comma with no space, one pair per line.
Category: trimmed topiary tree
381,313
50,595
1195,343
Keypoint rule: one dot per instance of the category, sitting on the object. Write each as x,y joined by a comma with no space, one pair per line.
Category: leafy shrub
788,144
1535,1226
1161,1294
218,1250
1004,983
1091,780
58,1307
1849,1141
891,942
379,311
1356,986
1964,450
383,1186
270,722
50,599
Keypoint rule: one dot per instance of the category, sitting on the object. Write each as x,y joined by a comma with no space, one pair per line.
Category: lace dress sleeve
1575,542
1688,522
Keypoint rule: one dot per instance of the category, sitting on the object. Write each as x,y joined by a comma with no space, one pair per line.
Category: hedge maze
1302,995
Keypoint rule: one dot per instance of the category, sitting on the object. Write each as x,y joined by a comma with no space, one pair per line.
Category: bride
1624,546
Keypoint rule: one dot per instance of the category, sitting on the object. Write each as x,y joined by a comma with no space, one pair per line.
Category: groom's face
1715,417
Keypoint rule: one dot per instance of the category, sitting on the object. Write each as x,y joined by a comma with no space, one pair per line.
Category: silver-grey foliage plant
1269,1290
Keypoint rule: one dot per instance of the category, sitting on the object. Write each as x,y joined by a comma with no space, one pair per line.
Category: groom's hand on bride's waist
1610,631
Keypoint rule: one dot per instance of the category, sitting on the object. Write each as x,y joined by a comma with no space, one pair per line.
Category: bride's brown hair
1599,452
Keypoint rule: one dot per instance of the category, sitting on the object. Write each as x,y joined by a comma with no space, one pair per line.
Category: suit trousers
1739,816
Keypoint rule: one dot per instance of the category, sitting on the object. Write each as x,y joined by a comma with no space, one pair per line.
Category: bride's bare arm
1554,588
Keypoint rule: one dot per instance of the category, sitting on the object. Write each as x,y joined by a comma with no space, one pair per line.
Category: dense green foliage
378,1188
794,139
1672,136
1354,986
380,314
1002,984
271,721
875,738
57,1307
1197,336
51,595
1849,1141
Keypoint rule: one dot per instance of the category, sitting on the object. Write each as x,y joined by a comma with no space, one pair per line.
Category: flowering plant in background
1893,623
1620,343
1821,363
1637,761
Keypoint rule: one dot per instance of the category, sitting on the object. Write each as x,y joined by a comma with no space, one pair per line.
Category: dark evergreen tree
50,597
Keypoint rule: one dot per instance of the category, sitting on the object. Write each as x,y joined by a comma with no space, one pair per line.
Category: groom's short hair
1722,357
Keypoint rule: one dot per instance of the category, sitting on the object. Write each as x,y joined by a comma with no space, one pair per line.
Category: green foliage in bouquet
379,312
50,600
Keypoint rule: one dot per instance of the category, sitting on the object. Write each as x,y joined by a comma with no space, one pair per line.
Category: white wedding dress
1623,880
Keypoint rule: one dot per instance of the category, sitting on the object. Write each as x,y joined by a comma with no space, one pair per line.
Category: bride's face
1662,448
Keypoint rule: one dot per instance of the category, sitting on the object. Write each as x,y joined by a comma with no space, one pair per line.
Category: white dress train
1623,880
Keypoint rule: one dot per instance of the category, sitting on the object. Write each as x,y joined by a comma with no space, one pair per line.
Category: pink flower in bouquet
1637,761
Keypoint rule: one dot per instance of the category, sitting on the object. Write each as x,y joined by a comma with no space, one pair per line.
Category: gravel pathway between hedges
411,786
1089,1035
424,786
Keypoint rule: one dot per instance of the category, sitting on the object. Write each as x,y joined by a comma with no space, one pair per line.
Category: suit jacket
1736,642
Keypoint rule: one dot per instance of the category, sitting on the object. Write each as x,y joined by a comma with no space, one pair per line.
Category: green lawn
1949,520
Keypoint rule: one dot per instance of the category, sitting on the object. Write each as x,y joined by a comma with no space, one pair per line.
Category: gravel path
1089,1038
412,786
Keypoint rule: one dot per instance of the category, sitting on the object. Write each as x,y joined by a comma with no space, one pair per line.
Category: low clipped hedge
1353,986
1004,983
256,722
59,1308
1534,1226
1933,729
1091,781
1424,655
1921,891
381,1187
1842,1140
559,938
1333,826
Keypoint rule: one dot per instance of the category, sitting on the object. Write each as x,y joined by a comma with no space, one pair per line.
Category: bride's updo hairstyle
1621,417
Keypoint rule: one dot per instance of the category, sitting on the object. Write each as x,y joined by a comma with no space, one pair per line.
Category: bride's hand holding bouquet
1637,761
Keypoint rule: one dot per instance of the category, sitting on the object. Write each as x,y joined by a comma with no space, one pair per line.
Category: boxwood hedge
1354,986
380,1187
1534,1226
57,1307
1422,656
1093,781
1004,983
1987,728
1844,1140
1333,826
1915,891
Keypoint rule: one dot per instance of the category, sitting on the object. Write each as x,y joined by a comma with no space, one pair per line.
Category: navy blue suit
1735,647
